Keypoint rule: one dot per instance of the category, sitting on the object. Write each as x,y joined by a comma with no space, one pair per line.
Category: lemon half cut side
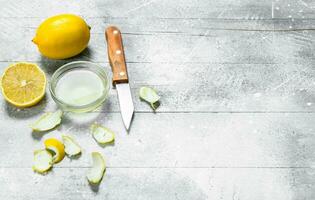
23,84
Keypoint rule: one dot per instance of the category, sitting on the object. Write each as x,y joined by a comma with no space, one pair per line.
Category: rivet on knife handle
116,55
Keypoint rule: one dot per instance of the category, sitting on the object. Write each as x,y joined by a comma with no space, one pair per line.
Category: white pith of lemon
96,172
149,95
47,121
43,161
72,148
102,134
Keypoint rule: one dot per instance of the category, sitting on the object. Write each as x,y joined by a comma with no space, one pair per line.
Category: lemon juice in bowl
79,86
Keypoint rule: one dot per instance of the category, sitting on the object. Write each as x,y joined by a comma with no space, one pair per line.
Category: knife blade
120,80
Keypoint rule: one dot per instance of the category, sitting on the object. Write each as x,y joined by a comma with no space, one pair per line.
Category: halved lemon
23,84
57,148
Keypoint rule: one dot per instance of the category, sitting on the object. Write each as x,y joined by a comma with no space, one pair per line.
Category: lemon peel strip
96,172
43,161
72,148
47,121
149,95
102,134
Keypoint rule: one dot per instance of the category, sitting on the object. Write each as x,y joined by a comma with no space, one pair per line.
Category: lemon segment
96,172
42,161
57,148
72,148
23,84
47,121
102,134
62,36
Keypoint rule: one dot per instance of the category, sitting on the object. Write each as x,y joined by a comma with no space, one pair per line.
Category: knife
117,62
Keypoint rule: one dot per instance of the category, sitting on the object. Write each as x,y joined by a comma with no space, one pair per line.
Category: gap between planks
149,62
174,18
168,167
217,112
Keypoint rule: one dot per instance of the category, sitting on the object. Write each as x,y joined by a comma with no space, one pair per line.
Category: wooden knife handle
116,55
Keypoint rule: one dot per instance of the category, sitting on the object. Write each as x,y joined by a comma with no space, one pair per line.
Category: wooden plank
179,26
252,10
200,45
148,8
223,56
158,184
174,140
226,9
293,9
192,87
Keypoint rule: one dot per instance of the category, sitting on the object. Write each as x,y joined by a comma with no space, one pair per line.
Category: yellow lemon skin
62,36
57,147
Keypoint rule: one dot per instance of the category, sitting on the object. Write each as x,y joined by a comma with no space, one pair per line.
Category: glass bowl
79,86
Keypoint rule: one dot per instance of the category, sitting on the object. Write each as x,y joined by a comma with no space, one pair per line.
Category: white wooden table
236,121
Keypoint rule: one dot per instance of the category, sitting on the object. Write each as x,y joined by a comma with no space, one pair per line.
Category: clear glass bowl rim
95,68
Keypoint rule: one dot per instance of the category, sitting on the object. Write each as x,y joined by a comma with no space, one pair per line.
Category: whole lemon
62,36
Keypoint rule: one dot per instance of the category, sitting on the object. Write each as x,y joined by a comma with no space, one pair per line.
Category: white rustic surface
236,120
